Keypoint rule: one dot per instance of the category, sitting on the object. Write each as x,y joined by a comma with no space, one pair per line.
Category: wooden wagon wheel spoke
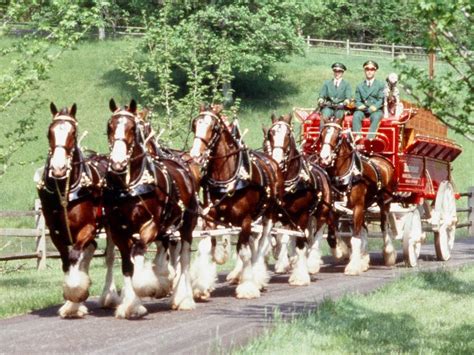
412,238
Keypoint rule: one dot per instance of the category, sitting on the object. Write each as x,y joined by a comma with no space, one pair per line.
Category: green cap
338,66
371,63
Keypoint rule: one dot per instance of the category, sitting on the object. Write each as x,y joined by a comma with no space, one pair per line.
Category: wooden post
41,238
431,54
308,42
470,217
101,33
348,47
393,50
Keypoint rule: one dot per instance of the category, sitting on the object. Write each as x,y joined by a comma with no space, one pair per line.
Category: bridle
334,147
283,164
69,152
120,113
217,127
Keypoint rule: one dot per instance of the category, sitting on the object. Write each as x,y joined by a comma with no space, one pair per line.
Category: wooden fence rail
40,232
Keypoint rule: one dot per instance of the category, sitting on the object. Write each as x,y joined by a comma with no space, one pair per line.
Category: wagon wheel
443,220
412,237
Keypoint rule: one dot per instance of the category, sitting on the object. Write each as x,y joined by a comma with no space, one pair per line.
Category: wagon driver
369,101
335,94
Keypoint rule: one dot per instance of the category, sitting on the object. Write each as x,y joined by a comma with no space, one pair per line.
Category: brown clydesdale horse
147,199
307,202
239,186
364,180
70,194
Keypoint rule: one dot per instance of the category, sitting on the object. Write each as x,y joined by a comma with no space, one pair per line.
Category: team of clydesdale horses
143,193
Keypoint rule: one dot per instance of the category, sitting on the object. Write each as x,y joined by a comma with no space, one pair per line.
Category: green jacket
335,95
370,96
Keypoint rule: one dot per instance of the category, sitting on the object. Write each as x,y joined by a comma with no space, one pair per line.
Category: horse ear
143,114
133,106
112,105
217,108
265,130
53,108
73,110
274,117
202,107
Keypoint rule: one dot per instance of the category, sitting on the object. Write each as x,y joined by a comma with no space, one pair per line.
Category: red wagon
417,146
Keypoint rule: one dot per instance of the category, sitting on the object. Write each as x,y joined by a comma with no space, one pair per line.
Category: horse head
279,138
121,134
62,137
206,126
330,140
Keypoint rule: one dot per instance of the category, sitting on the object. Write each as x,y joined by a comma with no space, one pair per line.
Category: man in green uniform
369,101
335,93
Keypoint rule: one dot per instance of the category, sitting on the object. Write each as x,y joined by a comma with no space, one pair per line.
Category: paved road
221,323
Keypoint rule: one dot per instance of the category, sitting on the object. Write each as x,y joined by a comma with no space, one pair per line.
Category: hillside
88,77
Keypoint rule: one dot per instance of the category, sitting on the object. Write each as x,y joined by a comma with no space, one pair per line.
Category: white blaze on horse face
278,141
325,153
119,149
203,124
58,160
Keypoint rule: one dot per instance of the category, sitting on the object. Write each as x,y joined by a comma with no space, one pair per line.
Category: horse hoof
390,258
72,310
260,275
130,312
247,290
109,300
187,304
201,295
314,265
299,280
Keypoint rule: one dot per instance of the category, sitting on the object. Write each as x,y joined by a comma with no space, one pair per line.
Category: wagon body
421,155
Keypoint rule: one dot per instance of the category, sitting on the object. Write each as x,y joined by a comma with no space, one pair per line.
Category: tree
450,96
54,27
191,52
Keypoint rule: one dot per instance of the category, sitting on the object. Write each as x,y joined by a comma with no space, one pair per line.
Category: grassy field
426,312
88,76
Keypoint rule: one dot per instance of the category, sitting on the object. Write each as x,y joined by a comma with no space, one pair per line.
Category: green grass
24,289
426,312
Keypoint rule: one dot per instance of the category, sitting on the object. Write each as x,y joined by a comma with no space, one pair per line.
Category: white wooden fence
360,48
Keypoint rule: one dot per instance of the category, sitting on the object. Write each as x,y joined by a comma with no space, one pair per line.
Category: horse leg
182,298
247,287
77,281
282,265
130,306
356,265
144,279
389,252
314,253
162,270
203,270
300,275
259,266
109,297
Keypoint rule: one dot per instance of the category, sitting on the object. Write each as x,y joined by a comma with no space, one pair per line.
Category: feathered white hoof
282,266
220,254
365,262
247,290
234,276
354,268
130,311
260,274
185,304
389,256
299,278
72,310
314,262
110,299
144,281
341,251
203,272
76,286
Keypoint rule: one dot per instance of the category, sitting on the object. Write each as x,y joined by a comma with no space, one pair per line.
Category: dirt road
221,323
